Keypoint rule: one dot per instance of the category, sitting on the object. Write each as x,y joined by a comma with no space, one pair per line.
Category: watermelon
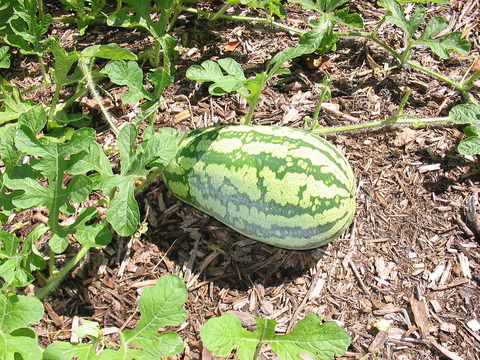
282,186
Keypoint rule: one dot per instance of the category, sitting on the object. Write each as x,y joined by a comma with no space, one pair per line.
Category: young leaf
63,62
129,74
168,43
27,29
311,337
397,17
141,17
326,9
123,212
17,265
160,79
69,351
441,45
160,305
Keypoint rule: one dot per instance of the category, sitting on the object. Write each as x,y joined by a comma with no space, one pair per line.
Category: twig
359,278
445,351
293,320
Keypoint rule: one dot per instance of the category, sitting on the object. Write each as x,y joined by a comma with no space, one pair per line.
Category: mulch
411,256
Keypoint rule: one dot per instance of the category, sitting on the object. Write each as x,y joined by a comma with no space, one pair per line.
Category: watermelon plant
309,338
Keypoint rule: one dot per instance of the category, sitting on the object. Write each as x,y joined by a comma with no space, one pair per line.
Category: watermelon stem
399,118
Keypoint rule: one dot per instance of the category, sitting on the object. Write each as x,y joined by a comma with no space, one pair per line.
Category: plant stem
147,182
372,37
208,16
452,83
53,281
320,101
403,120
91,86
469,82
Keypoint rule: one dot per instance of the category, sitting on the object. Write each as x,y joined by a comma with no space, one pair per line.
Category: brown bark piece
420,315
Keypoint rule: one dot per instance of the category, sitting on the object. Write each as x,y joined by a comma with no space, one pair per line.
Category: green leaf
68,351
32,259
470,146
141,16
4,57
13,106
35,119
123,212
397,17
53,155
63,63
12,266
129,74
110,51
275,6
160,80
93,159
160,306
468,114
465,114
212,71
19,311
320,341
343,17
26,29
440,46
126,146
326,9
168,44
20,344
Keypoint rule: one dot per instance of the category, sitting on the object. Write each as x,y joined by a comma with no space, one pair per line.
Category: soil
412,254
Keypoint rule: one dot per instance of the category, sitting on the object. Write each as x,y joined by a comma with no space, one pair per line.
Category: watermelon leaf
441,45
16,313
468,114
160,305
320,341
129,74
396,16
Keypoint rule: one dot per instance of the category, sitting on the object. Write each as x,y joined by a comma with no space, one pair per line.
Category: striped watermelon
281,186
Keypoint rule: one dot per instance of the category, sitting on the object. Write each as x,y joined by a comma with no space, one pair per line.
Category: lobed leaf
212,71
310,337
440,46
129,74
13,106
396,16
159,305
4,57
18,312
464,114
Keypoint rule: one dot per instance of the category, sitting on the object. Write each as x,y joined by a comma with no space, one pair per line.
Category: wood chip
378,343
420,315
